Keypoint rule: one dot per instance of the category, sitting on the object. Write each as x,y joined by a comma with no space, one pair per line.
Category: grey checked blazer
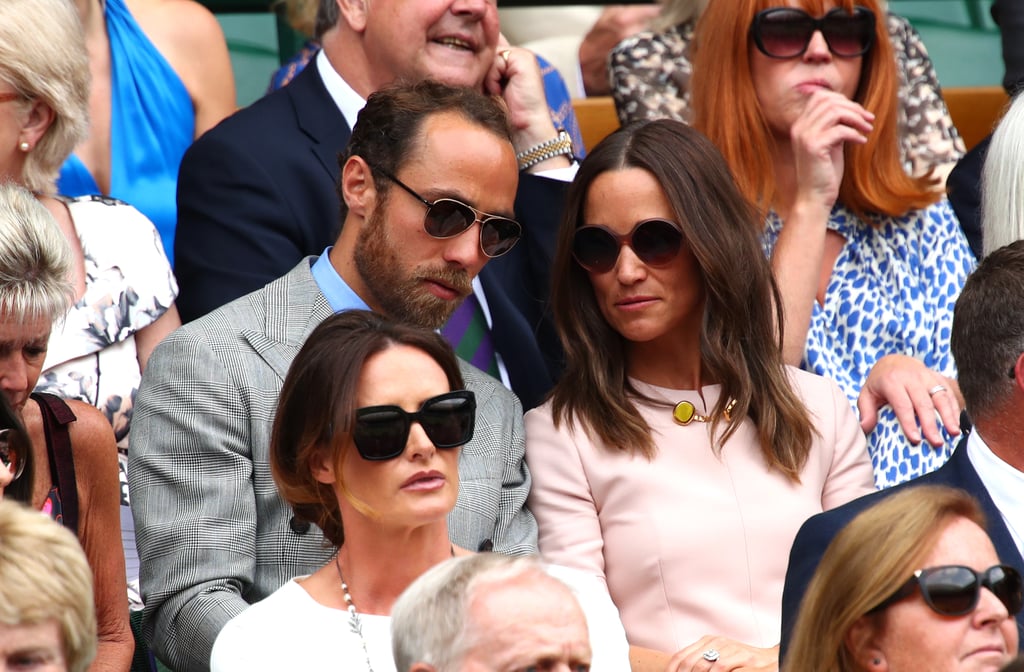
213,533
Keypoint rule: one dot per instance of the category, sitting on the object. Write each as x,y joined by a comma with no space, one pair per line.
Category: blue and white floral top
892,291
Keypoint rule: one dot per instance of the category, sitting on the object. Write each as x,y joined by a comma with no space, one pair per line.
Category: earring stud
24,146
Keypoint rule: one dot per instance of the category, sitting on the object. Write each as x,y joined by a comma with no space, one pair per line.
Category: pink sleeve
850,474
560,497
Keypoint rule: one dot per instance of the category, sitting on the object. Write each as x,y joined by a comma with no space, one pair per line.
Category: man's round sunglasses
447,218
786,32
655,241
954,590
10,458
381,432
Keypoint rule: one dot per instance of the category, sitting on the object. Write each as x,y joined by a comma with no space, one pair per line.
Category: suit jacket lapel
319,118
961,473
292,306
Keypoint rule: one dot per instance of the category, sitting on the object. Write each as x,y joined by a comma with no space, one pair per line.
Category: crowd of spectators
735,374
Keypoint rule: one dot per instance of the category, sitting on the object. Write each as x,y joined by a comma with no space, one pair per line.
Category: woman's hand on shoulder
915,393
732,656
827,123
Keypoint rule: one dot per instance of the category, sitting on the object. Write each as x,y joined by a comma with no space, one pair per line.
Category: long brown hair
726,109
742,323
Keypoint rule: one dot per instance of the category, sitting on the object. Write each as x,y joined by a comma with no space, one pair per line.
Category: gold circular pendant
684,413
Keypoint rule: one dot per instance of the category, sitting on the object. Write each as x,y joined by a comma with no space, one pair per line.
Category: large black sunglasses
381,432
785,32
655,241
954,590
10,457
447,218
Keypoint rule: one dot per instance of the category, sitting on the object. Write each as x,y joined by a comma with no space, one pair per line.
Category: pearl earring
24,146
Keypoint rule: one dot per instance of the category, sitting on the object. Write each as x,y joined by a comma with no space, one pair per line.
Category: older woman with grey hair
72,445
1002,180
46,604
124,290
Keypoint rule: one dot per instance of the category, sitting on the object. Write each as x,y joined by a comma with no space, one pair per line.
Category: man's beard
404,297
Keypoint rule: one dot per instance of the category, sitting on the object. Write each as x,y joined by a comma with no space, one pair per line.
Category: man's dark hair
390,122
988,330
326,18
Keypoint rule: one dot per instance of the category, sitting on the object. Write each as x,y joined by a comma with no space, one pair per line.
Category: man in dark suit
257,193
988,346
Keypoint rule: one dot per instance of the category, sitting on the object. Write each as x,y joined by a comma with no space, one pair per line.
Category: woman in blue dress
161,77
869,259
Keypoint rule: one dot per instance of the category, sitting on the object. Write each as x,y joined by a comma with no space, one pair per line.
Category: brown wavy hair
726,109
742,322
318,404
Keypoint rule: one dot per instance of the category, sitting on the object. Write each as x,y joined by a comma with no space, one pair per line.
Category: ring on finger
711,655
935,390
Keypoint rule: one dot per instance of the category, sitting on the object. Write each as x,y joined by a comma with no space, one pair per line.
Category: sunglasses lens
595,249
499,235
380,433
1006,584
656,242
447,218
784,33
849,34
952,591
448,420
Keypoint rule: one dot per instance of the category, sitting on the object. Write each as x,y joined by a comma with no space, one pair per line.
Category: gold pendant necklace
685,412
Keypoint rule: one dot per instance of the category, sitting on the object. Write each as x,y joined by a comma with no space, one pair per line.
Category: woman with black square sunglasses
370,424
911,583
869,259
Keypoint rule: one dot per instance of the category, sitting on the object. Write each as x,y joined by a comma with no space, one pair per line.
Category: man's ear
357,186
354,13
1018,372
862,643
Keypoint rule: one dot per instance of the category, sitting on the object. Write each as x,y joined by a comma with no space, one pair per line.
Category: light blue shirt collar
338,293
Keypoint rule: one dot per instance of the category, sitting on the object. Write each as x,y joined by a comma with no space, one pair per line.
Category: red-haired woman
869,260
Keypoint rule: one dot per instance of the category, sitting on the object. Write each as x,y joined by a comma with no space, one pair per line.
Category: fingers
919,398
722,654
830,118
947,404
867,407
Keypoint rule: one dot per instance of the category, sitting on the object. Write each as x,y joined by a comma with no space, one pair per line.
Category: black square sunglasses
954,590
655,241
786,32
381,432
447,218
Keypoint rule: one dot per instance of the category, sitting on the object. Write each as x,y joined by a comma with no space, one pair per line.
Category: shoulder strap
56,418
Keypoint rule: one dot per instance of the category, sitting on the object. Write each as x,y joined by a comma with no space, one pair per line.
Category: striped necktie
467,331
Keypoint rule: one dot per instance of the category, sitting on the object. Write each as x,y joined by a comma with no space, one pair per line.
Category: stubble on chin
405,298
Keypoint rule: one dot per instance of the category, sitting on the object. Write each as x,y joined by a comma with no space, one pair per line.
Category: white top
1004,485
289,630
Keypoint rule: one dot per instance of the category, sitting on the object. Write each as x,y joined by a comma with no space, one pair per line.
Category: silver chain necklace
355,623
